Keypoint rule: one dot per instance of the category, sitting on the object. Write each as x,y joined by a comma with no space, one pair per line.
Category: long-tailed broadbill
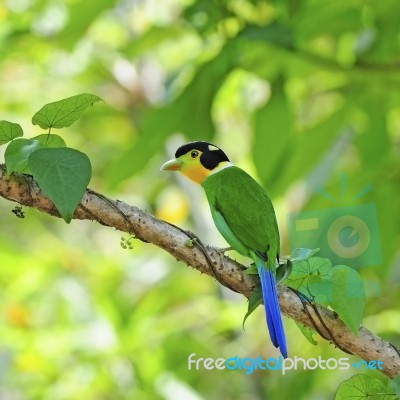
244,215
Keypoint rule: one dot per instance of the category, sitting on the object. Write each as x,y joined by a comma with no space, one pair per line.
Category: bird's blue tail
272,310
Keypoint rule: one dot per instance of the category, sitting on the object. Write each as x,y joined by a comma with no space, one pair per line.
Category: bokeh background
300,93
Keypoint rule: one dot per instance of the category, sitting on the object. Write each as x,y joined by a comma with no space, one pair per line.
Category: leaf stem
48,135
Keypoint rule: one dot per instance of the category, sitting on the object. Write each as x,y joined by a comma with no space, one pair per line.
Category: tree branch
24,190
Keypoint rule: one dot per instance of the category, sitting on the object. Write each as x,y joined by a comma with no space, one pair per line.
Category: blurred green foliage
296,92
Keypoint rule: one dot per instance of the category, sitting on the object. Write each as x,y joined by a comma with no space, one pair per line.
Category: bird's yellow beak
171,165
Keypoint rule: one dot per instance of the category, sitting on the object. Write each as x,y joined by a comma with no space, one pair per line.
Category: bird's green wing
245,208
227,233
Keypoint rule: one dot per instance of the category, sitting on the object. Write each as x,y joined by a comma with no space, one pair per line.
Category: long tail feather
272,309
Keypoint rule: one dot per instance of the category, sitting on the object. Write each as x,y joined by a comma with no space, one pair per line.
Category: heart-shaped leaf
302,254
18,151
47,140
9,131
364,387
63,174
307,332
395,384
17,154
255,300
63,112
348,296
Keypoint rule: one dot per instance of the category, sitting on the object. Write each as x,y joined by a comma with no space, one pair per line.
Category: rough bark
184,247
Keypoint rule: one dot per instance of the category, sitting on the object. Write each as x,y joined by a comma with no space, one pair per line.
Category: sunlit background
299,93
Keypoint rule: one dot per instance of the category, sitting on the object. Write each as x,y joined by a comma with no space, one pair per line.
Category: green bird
244,215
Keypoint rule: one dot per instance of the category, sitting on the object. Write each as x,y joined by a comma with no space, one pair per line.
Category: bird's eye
194,154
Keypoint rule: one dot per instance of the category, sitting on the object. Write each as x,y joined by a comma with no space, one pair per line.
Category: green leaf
341,287
283,270
395,384
150,39
388,390
307,332
374,143
302,254
348,296
63,174
255,300
215,13
17,154
18,151
303,271
363,387
9,131
251,270
294,164
320,289
318,266
81,15
50,140
64,112
275,33
329,13
273,128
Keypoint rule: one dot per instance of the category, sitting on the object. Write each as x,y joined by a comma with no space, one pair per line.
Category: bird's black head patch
211,155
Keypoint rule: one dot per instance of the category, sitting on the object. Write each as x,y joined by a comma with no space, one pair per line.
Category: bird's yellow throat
198,173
